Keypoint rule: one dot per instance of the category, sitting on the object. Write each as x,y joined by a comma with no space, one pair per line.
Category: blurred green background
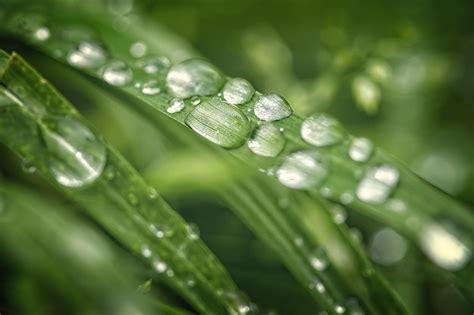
400,73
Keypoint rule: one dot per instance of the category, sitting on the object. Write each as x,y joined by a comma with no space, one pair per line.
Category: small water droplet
138,49
267,141
322,130
28,167
237,91
302,169
157,231
339,214
360,149
339,309
175,105
387,247
366,93
443,247
170,273
117,73
146,251
319,260
152,193
41,34
132,198
190,282
396,205
195,100
109,173
271,107
193,231
160,265
346,198
87,55
154,64
193,77
151,87
377,184
220,123
318,286
75,156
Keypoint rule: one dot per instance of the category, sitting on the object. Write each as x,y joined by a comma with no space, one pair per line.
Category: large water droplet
387,247
302,169
193,77
322,130
237,91
360,149
117,73
87,55
443,247
267,140
220,123
75,156
377,184
175,105
271,107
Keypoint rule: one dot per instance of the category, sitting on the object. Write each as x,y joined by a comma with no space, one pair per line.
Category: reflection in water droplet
387,247
219,123
377,184
443,247
303,169
175,105
193,77
322,130
87,55
75,156
360,149
267,140
151,87
117,73
138,49
271,107
237,91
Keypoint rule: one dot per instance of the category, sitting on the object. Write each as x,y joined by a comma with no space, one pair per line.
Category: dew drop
28,167
117,73
271,107
377,184
220,123
339,309
175,105
138,49
237,91
154,64
318,286
267,140
87,55
360,149
302,169
146,251
132,198
193,77
157,231
387,247
339,214
443,247
319,260
195,100
160,265
151,87
75,156
42,34
109,173
366,93
193,231
322,130
170,273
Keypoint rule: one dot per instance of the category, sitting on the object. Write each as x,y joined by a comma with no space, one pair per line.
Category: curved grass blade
52,136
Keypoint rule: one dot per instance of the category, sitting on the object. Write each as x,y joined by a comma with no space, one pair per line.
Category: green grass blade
93,174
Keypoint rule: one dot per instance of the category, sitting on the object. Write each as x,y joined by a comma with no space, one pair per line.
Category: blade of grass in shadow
52,136
40,238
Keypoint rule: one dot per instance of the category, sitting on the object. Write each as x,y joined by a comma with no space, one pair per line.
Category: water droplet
109,173
238,301
160,265
339,214
152,193
443,247
387,247
41,34
28,167
346,198
132,198
117,73
396,205
302,169
190,282
319,260
146,251
193,231
220,123
175,105
299,242
170,273
377,184
366,93
75,156
360,149
138,49
318,286
157,231
267,140
271,107
154,64
87,55
339,309
193,77
237,91
195,100
151,87
322,130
